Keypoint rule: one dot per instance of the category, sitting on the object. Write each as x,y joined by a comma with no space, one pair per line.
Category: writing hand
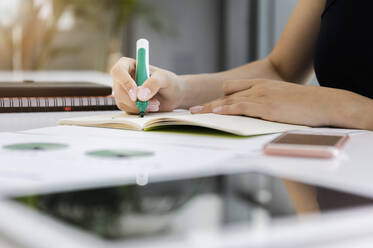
163,89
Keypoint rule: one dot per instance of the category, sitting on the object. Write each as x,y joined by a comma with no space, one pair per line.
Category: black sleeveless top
344,52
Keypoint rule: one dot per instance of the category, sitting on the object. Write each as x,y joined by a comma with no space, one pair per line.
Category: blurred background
185,36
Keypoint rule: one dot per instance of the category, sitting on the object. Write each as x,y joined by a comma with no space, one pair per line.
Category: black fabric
344,52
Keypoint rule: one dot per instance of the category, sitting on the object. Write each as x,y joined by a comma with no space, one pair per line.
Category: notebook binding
49,104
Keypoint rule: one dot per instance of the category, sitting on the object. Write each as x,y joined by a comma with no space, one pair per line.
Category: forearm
352,111
202,88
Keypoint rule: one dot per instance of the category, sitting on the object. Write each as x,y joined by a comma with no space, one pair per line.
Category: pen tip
142,114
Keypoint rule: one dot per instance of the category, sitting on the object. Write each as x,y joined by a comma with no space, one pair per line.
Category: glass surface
309,139
178,207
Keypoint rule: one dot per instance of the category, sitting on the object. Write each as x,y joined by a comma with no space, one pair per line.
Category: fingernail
132,94
144,94
196,109
153,108
217,109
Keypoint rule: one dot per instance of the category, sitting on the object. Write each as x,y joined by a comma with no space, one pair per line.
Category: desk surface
352,171
15,122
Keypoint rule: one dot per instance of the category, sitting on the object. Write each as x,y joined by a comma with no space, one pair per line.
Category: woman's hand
276,101
163,90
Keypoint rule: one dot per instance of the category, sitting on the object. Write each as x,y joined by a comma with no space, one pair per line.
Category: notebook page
128,121
239,125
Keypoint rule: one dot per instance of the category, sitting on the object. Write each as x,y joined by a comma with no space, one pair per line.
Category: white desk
352,171
14,122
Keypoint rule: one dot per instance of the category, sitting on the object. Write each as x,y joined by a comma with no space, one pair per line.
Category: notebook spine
56,104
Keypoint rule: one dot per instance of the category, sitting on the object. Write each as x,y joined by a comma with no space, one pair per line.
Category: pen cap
143,44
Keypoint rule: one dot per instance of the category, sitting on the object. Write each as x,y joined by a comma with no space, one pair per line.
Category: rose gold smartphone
303,144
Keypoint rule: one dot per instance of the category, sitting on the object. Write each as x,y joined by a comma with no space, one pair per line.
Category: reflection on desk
174,210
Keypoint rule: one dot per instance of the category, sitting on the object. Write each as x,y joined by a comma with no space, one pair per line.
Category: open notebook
238,125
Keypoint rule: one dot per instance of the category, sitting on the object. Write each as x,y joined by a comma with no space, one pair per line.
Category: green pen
142,70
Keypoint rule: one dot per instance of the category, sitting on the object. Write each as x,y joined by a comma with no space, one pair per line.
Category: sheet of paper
71,167
185,139
338,130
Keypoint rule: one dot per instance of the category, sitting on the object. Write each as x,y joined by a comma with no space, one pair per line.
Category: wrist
352,111
183,87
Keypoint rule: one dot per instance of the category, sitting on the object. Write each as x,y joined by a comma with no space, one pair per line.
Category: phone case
312,151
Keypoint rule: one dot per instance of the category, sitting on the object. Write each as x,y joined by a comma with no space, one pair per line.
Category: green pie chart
120,153
35,146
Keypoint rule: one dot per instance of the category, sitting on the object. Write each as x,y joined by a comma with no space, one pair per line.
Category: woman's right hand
163,90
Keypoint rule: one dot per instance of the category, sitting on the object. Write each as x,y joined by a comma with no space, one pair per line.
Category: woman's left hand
275,101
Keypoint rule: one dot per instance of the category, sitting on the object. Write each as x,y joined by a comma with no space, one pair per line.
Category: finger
127,109
231,87
244,108
121,74
153,106
151,86
124,64
206,108
209,107
122,99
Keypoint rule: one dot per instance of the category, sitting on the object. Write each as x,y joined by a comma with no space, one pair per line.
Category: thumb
152,86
